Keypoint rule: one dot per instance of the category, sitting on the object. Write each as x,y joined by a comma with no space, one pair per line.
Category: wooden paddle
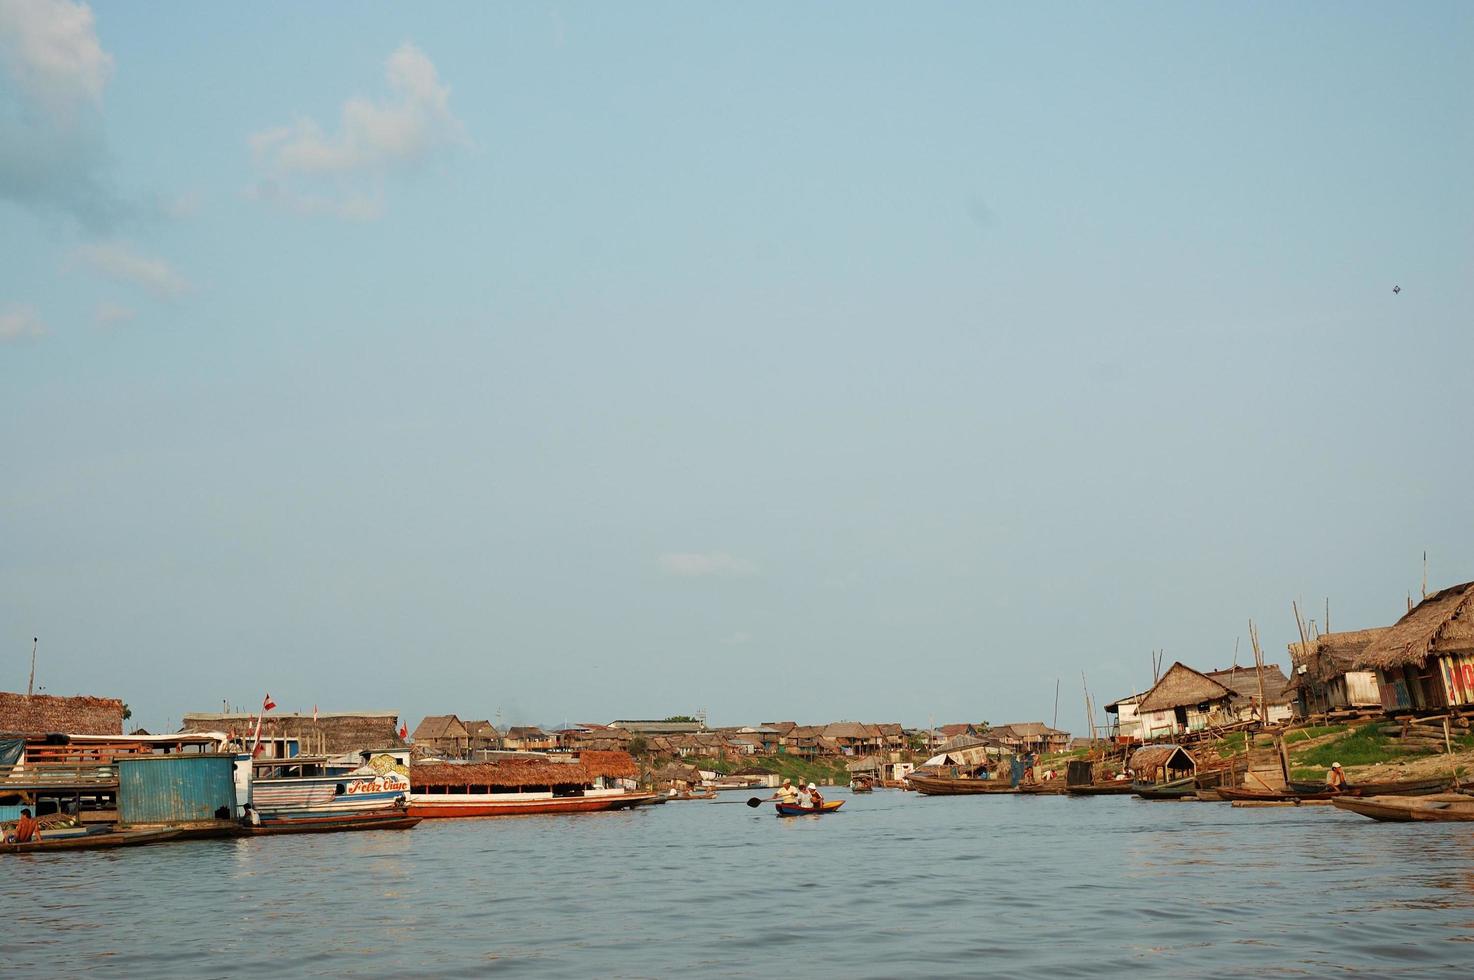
754,802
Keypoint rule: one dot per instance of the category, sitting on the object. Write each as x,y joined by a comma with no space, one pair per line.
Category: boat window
339,790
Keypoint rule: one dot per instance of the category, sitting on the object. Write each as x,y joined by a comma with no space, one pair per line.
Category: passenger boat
87,841
863,784
313,789
520,783
1172,789
957,785
332,825
793,810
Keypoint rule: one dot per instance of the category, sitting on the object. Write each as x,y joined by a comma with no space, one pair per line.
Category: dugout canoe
334,826
1404,787
89,842
790,810
1119,787
1404,809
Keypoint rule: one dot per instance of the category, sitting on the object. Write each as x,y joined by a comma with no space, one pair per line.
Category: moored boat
90,841
1116,787
1172,789
957,785
314,789
333,825
517,784
1402,787
1405,809
793,810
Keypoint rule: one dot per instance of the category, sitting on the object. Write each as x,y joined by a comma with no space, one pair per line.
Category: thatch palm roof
1182,686
439,726
1154,757
42,714
849,729
1332,654
1442,623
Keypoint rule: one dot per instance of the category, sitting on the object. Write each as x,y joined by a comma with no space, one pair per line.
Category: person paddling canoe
1336,779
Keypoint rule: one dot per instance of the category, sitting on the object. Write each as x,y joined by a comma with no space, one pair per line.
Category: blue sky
594,361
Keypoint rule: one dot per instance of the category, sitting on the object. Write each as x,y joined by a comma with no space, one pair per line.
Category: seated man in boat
26,828
815,801
787,793
1336,778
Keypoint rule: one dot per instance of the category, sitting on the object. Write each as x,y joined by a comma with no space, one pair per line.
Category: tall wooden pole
1259,672
1089,715
31,684
1055,723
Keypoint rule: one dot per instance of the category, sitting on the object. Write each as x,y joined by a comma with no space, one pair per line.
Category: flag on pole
403,730
267,704
314,712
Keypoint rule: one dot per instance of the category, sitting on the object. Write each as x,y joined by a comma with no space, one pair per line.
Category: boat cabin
1162,764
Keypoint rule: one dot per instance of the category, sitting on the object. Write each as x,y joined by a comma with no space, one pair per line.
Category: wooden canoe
334,826
1174,789
790,810
1404,787
1402,809
1052,786
88,842
1119,787
960,786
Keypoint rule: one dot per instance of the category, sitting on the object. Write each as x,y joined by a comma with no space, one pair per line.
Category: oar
754,802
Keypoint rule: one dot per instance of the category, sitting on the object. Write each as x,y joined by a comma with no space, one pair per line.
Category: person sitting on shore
816,802
1336,779
26,828
787,793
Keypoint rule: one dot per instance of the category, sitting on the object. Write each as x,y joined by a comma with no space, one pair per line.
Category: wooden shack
1324,676
1184,700
1425,661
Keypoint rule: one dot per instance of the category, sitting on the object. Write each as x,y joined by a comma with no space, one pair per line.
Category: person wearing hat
1336,778
787,793
816,802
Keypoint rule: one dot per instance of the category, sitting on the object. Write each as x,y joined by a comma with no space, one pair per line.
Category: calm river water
894,885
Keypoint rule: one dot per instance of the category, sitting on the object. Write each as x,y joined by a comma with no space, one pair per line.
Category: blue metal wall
175,788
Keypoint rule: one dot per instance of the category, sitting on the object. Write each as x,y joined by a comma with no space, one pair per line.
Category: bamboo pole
1089,715
1259,672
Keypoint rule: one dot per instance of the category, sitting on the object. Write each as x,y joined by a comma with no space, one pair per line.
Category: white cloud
52,151
698,564
119,261
111,313
373,139
20,322
52,51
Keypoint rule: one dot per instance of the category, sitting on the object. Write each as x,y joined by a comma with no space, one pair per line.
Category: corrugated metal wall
175,788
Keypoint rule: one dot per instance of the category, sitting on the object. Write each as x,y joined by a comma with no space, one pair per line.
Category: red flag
403,730
267,704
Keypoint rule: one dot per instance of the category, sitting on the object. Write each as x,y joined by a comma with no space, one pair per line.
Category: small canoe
1404,787
1119,787
790,810
1174,789
1054,786
333,826
88,842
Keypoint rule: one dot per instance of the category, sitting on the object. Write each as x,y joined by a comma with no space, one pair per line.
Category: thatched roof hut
1330,655
44,714
1181,686
1443,623
1173,758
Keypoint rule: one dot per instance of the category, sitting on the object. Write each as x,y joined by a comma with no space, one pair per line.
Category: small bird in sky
1396,290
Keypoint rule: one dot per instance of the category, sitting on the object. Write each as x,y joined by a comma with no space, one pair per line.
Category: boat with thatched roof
1164,772
524,783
